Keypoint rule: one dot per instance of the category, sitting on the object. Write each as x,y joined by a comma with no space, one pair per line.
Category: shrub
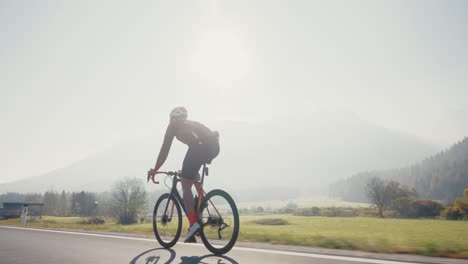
270,221
426,208
313,211
403,206
462,205
451,213
391,213
328,211
284,211
339,211
458,210
369,212
96,220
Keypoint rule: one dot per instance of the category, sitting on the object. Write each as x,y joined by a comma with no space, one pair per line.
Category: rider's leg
193,161
188,198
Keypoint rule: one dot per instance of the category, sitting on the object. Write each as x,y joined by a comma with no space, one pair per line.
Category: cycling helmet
178,112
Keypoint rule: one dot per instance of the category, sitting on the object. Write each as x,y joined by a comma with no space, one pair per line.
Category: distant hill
442,176
304,153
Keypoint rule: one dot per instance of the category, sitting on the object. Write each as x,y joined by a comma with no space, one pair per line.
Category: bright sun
220,58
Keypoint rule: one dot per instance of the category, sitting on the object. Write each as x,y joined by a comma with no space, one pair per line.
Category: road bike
216,212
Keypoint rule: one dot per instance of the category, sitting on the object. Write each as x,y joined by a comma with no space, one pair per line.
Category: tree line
388,199
390,195
439,177
127,201
60,203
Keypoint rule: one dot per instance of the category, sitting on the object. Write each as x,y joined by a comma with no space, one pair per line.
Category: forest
442,177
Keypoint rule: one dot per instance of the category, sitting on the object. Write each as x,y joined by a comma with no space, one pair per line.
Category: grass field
424,237
305,202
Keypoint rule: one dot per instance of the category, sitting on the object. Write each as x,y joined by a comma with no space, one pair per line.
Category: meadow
430,237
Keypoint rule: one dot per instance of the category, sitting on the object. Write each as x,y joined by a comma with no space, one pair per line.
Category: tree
291,205
51,203
63,204
83,203
260,210
128,199
104,208
396,190
382,193
375,191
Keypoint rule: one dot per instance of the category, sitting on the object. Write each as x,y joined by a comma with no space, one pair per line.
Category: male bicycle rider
203,148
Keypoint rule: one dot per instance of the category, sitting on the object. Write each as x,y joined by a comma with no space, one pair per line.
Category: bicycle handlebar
151,175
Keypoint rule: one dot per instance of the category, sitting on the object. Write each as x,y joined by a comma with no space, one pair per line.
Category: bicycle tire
159,237
235,215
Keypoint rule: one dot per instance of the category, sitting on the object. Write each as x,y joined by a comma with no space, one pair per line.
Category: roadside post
24,215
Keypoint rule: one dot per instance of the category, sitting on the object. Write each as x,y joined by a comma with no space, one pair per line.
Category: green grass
414,236
425,237
75,223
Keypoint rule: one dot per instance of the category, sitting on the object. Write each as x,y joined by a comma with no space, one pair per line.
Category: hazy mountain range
303,153
442,176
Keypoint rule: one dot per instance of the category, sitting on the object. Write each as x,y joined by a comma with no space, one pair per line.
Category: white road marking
279,252
313,255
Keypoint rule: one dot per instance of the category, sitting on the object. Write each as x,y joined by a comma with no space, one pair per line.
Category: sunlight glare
220,58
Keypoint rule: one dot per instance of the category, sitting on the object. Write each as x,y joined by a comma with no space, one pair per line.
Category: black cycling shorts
197,155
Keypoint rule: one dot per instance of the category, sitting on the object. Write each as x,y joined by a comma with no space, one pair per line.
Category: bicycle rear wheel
167,220
219,221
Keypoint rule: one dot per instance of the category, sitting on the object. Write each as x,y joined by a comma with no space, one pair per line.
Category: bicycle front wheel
219,221
167,220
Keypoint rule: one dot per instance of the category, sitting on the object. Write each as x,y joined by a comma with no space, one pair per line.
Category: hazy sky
80,76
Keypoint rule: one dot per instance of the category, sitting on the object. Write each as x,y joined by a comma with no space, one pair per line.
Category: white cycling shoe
192,231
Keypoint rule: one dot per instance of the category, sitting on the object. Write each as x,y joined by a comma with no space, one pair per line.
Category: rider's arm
166,146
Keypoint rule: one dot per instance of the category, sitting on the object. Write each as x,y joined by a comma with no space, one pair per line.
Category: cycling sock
192,218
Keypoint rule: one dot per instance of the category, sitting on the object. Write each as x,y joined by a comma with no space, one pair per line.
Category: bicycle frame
175,193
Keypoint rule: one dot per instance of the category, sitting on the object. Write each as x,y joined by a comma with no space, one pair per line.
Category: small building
14,209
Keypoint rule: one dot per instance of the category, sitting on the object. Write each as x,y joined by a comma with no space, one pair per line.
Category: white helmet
178,112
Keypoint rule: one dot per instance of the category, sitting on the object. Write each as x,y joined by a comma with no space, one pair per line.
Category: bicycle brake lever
148,176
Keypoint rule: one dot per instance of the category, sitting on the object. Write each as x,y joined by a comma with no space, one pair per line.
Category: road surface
28,245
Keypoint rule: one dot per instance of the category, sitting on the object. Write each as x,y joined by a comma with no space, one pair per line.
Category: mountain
442,176
305,153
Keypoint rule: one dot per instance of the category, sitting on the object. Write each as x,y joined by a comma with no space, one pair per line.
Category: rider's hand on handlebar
151,173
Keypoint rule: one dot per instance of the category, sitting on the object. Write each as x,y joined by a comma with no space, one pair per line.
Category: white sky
78,77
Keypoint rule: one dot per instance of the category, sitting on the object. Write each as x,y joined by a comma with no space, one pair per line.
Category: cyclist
203,147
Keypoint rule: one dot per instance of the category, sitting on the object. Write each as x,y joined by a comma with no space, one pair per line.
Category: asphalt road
24,245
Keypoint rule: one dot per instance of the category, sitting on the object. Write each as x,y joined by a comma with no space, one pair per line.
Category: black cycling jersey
203,145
